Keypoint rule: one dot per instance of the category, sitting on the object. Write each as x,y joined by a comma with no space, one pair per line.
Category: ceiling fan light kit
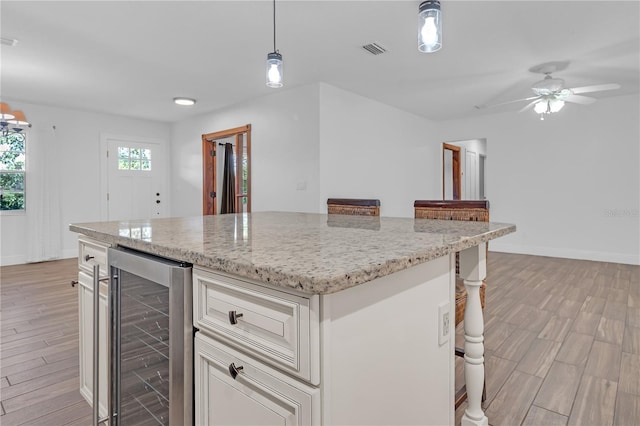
429,26
551,93
548,106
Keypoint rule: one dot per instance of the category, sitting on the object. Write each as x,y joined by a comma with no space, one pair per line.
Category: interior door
136,186
471,176
451,172
213,168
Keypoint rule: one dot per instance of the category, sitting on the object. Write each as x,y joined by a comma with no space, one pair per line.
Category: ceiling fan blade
505,103
595,88
530,105
576,99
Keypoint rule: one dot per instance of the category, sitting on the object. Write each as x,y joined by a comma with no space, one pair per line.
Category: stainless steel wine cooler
151,340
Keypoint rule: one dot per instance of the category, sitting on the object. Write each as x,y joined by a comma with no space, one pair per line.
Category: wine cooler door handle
96,346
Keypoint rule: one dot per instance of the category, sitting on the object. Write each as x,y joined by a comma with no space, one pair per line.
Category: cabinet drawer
258,395
91,252
277,327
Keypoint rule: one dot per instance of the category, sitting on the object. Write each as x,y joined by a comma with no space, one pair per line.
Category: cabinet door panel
258,395
85,335
85,313
231,406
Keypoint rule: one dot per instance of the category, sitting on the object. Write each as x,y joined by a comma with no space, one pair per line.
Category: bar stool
457,210
353,206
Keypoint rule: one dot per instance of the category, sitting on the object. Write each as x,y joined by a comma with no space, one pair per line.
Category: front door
136,187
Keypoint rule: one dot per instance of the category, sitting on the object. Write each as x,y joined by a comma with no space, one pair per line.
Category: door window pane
134,158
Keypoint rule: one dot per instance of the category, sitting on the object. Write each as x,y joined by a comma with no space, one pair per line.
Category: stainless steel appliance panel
152,340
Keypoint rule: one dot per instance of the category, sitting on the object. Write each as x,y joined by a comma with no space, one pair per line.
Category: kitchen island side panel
381,359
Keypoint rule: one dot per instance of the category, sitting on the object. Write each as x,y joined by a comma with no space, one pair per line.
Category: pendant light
5,112
11,121
274,59
429,26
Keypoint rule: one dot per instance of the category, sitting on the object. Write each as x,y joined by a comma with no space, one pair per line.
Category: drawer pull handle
234,371
88,258
233,317
73,283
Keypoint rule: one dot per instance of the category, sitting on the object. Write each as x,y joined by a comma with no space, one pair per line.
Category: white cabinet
96,252
234,389
275,326
375,347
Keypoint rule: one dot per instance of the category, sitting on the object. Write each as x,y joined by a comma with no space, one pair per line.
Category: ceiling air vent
374,48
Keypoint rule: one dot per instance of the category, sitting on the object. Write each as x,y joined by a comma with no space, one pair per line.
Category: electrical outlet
444,323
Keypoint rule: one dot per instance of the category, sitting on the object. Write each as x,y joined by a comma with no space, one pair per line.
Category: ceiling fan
550,94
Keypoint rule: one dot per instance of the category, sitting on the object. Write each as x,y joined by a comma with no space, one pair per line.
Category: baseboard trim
627,259
13,260
22,259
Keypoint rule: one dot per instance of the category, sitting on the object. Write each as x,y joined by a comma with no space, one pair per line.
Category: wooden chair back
353,206
476,210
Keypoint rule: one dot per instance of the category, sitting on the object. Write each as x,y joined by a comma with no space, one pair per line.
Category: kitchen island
375,295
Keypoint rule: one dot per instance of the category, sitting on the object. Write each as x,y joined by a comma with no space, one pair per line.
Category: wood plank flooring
39,345
562,343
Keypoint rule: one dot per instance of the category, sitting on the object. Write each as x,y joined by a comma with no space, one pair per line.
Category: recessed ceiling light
184,101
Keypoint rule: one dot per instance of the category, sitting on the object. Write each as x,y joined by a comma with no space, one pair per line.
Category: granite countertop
312,253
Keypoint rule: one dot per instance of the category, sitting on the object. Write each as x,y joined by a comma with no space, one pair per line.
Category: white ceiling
132,58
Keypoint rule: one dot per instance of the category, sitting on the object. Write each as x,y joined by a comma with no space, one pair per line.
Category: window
12,171
134,158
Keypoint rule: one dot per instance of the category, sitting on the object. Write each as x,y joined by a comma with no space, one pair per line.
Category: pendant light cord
274,25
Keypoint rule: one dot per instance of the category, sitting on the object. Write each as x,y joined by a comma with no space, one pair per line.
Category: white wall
78,137
371,150
570,183
334,142
284,152
476,145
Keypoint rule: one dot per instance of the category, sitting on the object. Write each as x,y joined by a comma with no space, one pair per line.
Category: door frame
209,166
455,166
104,169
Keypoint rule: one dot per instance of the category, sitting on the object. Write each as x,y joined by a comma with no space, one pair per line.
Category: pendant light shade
274,60
11,121
541,107
19,119
429,26
548,106
274,70
5,112
556,105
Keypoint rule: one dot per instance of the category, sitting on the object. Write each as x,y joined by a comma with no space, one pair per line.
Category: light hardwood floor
39,345
562,342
